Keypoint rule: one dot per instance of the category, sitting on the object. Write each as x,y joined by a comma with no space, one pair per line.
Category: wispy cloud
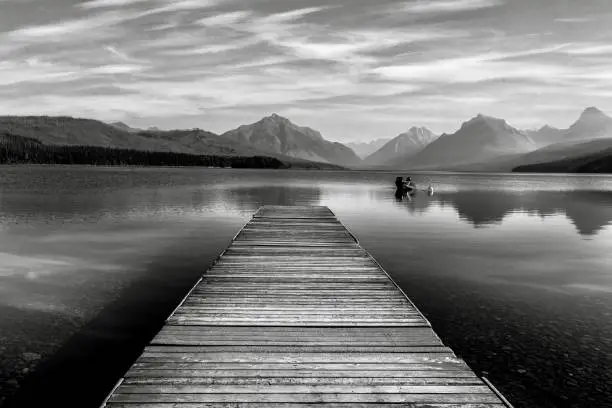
66,28
290,33
477,68
112,69
34,70
109,3
222,19
292,15
574,20
183,5
213,48
589,49
97,22
116,52
445,6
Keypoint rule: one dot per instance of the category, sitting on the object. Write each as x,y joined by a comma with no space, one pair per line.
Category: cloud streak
62,29
109,3
448,6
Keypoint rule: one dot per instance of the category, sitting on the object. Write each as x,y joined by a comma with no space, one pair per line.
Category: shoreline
145,166
358,170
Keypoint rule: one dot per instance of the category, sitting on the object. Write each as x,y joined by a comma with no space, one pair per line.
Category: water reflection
588,211
249,198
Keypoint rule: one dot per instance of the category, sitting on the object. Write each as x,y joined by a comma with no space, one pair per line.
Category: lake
513,271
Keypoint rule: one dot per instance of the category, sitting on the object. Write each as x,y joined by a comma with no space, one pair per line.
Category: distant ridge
402,147
63,130
482,137
546,135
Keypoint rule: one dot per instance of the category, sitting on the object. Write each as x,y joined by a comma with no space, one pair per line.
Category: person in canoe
404,187
409,186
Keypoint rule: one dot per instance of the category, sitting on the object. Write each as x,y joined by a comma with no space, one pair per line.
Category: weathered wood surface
296,313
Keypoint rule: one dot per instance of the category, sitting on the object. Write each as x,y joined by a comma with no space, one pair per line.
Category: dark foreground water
513,271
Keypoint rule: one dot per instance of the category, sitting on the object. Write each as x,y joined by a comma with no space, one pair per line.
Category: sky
352,69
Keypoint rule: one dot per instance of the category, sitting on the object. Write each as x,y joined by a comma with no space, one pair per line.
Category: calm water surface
513,271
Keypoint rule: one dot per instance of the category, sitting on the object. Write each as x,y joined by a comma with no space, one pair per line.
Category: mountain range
586,140
483,143
76,131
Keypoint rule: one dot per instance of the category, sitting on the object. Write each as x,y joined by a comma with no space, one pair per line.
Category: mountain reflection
81,197
588,211
249,198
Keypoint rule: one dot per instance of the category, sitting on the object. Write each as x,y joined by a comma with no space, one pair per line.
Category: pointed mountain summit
547,128
592,124
275,134
402,147
593,112
480,138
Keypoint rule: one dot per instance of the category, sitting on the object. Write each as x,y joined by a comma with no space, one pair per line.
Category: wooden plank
205,372
367,303
385,285
300,389
191,354
290,277
292,405
353,381
290,322
296,313
194,337
310,397
294,349
352,332
240,311
323,367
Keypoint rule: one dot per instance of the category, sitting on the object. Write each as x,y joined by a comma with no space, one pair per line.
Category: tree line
16,149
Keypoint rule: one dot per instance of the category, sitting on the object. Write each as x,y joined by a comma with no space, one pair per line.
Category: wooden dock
296,313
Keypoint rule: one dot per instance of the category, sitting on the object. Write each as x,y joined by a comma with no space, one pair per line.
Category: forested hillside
22,150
